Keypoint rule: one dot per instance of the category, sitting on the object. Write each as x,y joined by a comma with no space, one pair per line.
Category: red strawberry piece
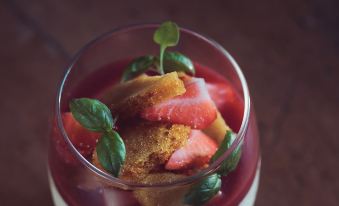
195,154
83,140
194,108
60,146
228,102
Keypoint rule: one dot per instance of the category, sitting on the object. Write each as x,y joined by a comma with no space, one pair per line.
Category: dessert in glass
135,126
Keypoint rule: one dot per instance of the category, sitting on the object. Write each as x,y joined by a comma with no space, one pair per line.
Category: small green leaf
111,152
231,162
175,61
138,66
203,191
166,35
92,114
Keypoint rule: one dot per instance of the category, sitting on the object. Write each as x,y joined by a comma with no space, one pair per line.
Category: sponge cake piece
149,145
128,98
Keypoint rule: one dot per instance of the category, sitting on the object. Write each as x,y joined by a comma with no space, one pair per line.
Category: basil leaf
231,162
111,152
203,191
166,35
175,61
137,66
92,114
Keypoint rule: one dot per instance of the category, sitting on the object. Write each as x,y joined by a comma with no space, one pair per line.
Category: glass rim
128,185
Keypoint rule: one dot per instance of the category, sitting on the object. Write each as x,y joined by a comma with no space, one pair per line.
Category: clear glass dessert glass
75,181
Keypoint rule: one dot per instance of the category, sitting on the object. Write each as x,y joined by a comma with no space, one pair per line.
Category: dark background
288,50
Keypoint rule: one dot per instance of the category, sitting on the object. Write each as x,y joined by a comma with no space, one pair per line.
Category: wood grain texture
287,49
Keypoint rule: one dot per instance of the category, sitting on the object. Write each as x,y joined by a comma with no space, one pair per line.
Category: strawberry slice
195,154
228,102
83,140
194,108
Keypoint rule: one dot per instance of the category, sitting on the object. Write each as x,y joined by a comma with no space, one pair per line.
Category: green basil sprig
92,114
208,187
111,152
231,162
166,35
95,116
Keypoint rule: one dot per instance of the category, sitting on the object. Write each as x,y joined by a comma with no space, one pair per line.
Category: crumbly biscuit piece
217,130
127,99
149,145
163,197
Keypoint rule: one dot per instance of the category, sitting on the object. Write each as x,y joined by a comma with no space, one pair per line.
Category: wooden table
288,50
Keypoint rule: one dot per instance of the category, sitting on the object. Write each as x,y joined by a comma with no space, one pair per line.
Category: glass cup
75,181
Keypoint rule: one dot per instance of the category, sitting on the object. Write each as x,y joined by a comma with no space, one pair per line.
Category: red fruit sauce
79,187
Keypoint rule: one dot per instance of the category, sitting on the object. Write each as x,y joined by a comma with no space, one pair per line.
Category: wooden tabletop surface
288,50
